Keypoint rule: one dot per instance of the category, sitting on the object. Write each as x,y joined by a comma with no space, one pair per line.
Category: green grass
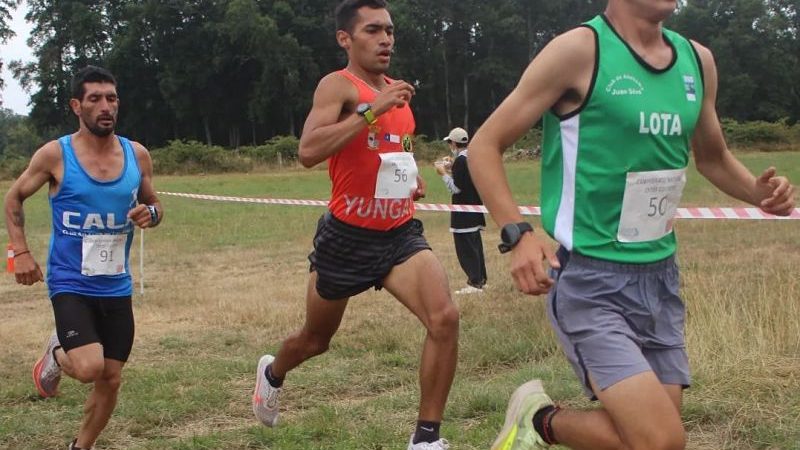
224,284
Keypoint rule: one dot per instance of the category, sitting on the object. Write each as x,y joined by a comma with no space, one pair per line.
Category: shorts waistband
331,220
610,266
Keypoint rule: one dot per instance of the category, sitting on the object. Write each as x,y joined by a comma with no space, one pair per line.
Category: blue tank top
91,234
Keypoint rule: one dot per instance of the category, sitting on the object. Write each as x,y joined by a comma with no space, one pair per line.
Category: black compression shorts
82,320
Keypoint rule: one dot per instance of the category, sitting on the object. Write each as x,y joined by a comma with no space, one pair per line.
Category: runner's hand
527,266
420,191
775,193
140,215
27,270
397,94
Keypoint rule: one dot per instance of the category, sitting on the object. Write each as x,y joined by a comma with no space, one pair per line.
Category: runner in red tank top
362,124
356,198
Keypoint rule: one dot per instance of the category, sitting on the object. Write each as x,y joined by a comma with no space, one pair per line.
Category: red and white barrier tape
683,213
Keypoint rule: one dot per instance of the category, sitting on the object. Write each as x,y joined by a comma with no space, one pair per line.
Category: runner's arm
553,74
38,172
549,76
716,162
147,194
332,122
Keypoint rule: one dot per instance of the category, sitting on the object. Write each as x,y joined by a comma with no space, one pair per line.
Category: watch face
362,108
510,234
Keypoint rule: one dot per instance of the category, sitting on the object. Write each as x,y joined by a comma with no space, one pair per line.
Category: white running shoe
72,446
441,444
265,397
469,290
46,373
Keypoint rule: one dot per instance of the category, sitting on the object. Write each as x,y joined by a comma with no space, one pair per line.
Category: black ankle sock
543,423
273,380
75,447
426,432
54,354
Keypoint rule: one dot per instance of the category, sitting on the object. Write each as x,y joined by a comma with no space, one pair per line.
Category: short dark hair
347,11
90,74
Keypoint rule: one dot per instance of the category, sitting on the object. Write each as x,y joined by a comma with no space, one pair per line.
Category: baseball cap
457,135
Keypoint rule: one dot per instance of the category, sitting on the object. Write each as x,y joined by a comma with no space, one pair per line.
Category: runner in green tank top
623,100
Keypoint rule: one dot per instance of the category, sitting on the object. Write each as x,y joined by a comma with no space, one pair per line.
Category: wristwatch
365,110
511,234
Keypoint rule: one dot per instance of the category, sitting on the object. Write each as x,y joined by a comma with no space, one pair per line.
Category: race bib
649,205
397,176
103,254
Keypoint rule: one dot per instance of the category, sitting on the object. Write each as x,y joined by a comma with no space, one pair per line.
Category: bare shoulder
47,156
577,45
565,64
706,57
142,156
139,149
336,86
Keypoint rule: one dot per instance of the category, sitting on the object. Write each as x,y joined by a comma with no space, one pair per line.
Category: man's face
370,43
98,108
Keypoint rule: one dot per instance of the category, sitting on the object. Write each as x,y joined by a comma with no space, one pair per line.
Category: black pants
469,249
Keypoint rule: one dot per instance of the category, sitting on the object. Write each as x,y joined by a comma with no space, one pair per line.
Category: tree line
239,72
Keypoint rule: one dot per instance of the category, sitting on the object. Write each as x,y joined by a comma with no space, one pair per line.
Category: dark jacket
468,195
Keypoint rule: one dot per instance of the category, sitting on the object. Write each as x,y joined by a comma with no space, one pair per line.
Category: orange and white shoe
265,397
46,373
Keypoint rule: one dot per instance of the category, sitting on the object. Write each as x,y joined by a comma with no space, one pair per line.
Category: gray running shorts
615,320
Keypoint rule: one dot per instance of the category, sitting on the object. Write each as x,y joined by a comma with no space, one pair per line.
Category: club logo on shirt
408,143
373,141
625,84
93,221
663,124
691,91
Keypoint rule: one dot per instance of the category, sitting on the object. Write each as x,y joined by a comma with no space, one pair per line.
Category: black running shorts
82,320
349,259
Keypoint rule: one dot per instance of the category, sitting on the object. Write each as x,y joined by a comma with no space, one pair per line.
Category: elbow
306,157
705,166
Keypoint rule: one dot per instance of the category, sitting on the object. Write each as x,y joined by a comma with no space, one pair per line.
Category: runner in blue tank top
100,189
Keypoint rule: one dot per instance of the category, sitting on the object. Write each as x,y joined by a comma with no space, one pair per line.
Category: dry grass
210,309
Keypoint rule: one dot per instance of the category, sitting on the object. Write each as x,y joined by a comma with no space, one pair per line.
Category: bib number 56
400,175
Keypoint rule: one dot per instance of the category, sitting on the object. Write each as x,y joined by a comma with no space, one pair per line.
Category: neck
94,142
635,28
374,80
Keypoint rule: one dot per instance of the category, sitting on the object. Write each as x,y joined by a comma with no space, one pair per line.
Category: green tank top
613,170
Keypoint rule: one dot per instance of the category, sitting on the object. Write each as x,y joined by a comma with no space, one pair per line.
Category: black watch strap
511,234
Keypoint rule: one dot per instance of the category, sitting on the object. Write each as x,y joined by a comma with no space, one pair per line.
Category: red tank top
354,169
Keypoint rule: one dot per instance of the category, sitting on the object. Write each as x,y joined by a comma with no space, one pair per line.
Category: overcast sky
14,97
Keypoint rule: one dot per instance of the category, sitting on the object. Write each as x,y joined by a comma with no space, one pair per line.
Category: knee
111,382
316,344
87,372
444,323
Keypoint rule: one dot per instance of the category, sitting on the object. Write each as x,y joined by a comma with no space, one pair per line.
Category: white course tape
683,213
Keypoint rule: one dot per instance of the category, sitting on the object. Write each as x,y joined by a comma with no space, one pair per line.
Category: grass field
225,282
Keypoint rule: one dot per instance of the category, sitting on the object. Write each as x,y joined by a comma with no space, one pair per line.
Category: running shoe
441,444
265,397
518,432
46,373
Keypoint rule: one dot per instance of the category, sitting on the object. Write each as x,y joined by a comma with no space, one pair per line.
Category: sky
14,97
